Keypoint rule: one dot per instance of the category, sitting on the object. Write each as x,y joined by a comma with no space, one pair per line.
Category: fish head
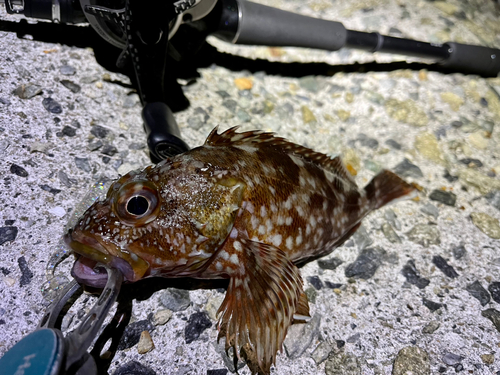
108,232
165,220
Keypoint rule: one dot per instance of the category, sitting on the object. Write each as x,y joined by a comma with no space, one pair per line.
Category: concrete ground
416,289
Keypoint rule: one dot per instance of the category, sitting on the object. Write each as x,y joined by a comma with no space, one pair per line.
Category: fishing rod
155,35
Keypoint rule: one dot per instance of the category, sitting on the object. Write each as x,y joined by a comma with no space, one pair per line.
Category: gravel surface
417,287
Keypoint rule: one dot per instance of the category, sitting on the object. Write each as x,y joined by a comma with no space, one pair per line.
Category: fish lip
91,253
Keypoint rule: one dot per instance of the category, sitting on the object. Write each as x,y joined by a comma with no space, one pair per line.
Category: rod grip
164,138
480,60
263,25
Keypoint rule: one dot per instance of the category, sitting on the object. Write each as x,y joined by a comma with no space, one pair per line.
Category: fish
245,206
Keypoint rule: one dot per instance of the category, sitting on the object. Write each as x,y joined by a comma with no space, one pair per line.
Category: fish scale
245,206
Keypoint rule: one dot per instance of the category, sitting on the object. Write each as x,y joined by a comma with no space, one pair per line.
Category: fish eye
137,205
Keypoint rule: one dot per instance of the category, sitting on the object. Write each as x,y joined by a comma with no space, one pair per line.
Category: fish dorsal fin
261,300
260,139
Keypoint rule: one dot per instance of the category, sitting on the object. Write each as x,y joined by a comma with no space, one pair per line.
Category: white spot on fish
289,243
298,240
237,246
249,206
276,240
302,181
272,190
246,147
234,259
312,221
312,182
262,229
289,220
269,225
297,160
255,221
218,266
234,233
263,211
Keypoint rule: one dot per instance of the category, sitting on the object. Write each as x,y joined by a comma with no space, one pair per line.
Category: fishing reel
155,37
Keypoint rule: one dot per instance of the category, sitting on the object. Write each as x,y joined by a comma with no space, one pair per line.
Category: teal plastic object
39,353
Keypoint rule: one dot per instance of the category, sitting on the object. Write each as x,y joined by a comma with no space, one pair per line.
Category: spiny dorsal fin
260,303
267,139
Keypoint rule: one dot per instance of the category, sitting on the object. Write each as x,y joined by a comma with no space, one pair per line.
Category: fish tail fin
388,187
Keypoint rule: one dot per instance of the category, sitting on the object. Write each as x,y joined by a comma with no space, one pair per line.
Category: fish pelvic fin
263,295
387,187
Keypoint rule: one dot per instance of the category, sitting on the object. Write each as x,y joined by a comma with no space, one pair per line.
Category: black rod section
244,22
374,42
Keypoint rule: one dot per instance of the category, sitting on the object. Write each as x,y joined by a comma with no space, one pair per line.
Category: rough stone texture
411,360
445,197
175,299
196,325
133,333
134,368
145,343
488,224
412,275
301,336
431,327
476,290
425,235
342,364
443,265
348,98
366,264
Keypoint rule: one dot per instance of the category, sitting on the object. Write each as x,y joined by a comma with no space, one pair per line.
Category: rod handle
480,60
262,25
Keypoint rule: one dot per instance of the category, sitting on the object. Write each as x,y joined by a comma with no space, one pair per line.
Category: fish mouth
89,269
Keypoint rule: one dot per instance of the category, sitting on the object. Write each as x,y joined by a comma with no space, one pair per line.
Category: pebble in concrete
51,105
321,353
477,291
431,305
133,332
487,224
366,264
196,325
445,197
412,275
494,316
161,317
425,235
145,343
329,264
134,368
175,299
411,360
443,265
301,336
431,327
18,170
494,289
342,364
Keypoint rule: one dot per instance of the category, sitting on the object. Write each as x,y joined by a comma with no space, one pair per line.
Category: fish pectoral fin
263,295
302,311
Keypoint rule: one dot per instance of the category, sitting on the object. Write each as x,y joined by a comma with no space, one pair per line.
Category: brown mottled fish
244,206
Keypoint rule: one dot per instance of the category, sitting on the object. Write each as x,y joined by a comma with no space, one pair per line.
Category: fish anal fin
264,293
387,187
